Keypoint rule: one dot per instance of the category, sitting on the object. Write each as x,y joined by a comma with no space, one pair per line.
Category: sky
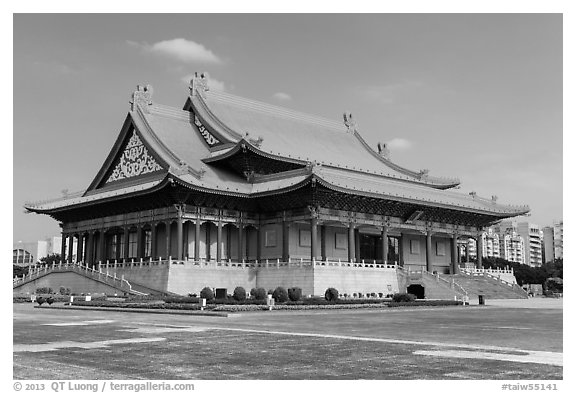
472,96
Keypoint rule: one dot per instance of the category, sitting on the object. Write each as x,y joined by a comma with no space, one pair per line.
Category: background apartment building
28,253
532,236
553,241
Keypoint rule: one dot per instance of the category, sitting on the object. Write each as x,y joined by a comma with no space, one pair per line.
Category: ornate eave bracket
142,97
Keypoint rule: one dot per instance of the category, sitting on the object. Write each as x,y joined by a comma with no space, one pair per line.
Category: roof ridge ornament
142,96
199,84
383,150
350,123
423,174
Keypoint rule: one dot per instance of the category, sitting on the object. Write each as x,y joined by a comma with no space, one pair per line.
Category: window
440,248
414,246
113,246
305,238
341,242
133,245
270,238
147,243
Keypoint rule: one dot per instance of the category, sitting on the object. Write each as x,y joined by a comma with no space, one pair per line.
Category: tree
554,284
526,274
19,271
50,259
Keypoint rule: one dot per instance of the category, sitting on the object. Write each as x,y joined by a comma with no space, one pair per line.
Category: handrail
46,269
446,282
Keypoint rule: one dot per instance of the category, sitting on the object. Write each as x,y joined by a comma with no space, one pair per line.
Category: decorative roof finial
423,174
142,96
383,150
199,84
349,122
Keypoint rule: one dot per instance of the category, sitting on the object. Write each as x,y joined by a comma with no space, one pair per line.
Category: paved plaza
503,340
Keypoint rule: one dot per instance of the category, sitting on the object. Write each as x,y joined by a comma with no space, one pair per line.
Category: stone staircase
489,286
435,286
89,273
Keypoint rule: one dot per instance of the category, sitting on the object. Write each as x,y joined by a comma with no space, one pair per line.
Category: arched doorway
417,290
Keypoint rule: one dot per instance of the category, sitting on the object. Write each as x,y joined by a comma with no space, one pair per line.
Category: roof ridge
465,199
171,111
276,110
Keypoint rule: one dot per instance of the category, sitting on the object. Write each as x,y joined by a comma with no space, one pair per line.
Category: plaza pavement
503,340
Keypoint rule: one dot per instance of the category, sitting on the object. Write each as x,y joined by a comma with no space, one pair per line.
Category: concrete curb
144,311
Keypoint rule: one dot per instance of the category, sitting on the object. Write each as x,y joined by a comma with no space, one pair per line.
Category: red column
286,241
479,251
240,241
351,246
314,238
152,240
63,248
219,242
429,266
70,248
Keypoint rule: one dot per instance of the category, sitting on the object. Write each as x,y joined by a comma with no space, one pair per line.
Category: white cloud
399,144
280,96
213,84
180,49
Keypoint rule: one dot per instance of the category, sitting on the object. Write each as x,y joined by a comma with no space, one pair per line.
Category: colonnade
144,240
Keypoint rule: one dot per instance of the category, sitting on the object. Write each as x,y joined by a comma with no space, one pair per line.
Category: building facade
558,239
548,244
29,253
227,180
532,237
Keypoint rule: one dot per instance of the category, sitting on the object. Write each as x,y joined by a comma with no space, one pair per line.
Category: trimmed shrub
331,294
295,294
50,300
239,294
40,300
206,293
280,295
64,291
372,294
177,299
403,297
429,303
270,292
380,294
258,293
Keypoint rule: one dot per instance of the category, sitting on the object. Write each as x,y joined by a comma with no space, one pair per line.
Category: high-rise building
532,236
28,253
490,246
558,239
548,244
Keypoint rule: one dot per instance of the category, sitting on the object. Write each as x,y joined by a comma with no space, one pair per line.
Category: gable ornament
134,161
